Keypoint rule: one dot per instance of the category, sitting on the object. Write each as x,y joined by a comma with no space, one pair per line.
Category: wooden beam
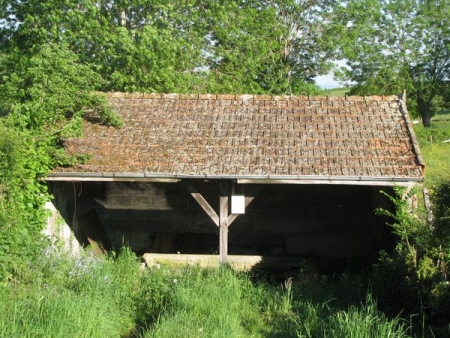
224,219
91,225
428,207
386,183
223,242
202,202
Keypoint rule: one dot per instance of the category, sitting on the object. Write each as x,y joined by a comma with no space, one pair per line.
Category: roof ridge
247,97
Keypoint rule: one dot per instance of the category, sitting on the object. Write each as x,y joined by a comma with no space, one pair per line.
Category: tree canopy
392,45
246,46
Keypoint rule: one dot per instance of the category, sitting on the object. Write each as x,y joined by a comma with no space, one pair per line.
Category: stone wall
58,231
325,221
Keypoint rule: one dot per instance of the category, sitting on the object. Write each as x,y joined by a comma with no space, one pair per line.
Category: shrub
23,162
413,280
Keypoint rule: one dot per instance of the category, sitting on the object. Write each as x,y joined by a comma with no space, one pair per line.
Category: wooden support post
223,218
428,208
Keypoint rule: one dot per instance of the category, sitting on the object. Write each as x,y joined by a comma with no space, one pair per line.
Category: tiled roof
251,136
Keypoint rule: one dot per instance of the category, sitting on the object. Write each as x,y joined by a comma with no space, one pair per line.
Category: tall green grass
64,296
364,321
210,303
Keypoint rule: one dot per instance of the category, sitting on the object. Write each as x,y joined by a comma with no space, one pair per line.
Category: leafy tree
256,46
270,46
134,45
153,46
306,42
393,45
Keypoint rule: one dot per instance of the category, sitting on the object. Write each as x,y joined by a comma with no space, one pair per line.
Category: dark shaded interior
334,225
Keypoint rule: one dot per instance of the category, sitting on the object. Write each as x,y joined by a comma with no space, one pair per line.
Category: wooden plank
91,226
387,182
110,179
201,201
223,242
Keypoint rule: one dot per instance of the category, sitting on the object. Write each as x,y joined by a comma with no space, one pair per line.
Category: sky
327,81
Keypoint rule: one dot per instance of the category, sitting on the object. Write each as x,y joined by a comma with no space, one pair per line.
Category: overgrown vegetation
414,279
23,161
45,95
64,296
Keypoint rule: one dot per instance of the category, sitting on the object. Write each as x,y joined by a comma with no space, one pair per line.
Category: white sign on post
237,204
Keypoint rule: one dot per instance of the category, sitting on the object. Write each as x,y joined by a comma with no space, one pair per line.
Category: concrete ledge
237,262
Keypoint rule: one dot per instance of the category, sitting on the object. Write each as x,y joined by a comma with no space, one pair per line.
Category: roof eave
241,179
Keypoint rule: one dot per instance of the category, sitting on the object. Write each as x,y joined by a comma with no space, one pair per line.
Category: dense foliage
23,160
47,90
270,46
45,94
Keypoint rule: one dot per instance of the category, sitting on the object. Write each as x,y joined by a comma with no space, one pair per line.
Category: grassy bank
435,150
335,91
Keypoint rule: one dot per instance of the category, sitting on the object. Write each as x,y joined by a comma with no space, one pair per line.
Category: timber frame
224,219
251,141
